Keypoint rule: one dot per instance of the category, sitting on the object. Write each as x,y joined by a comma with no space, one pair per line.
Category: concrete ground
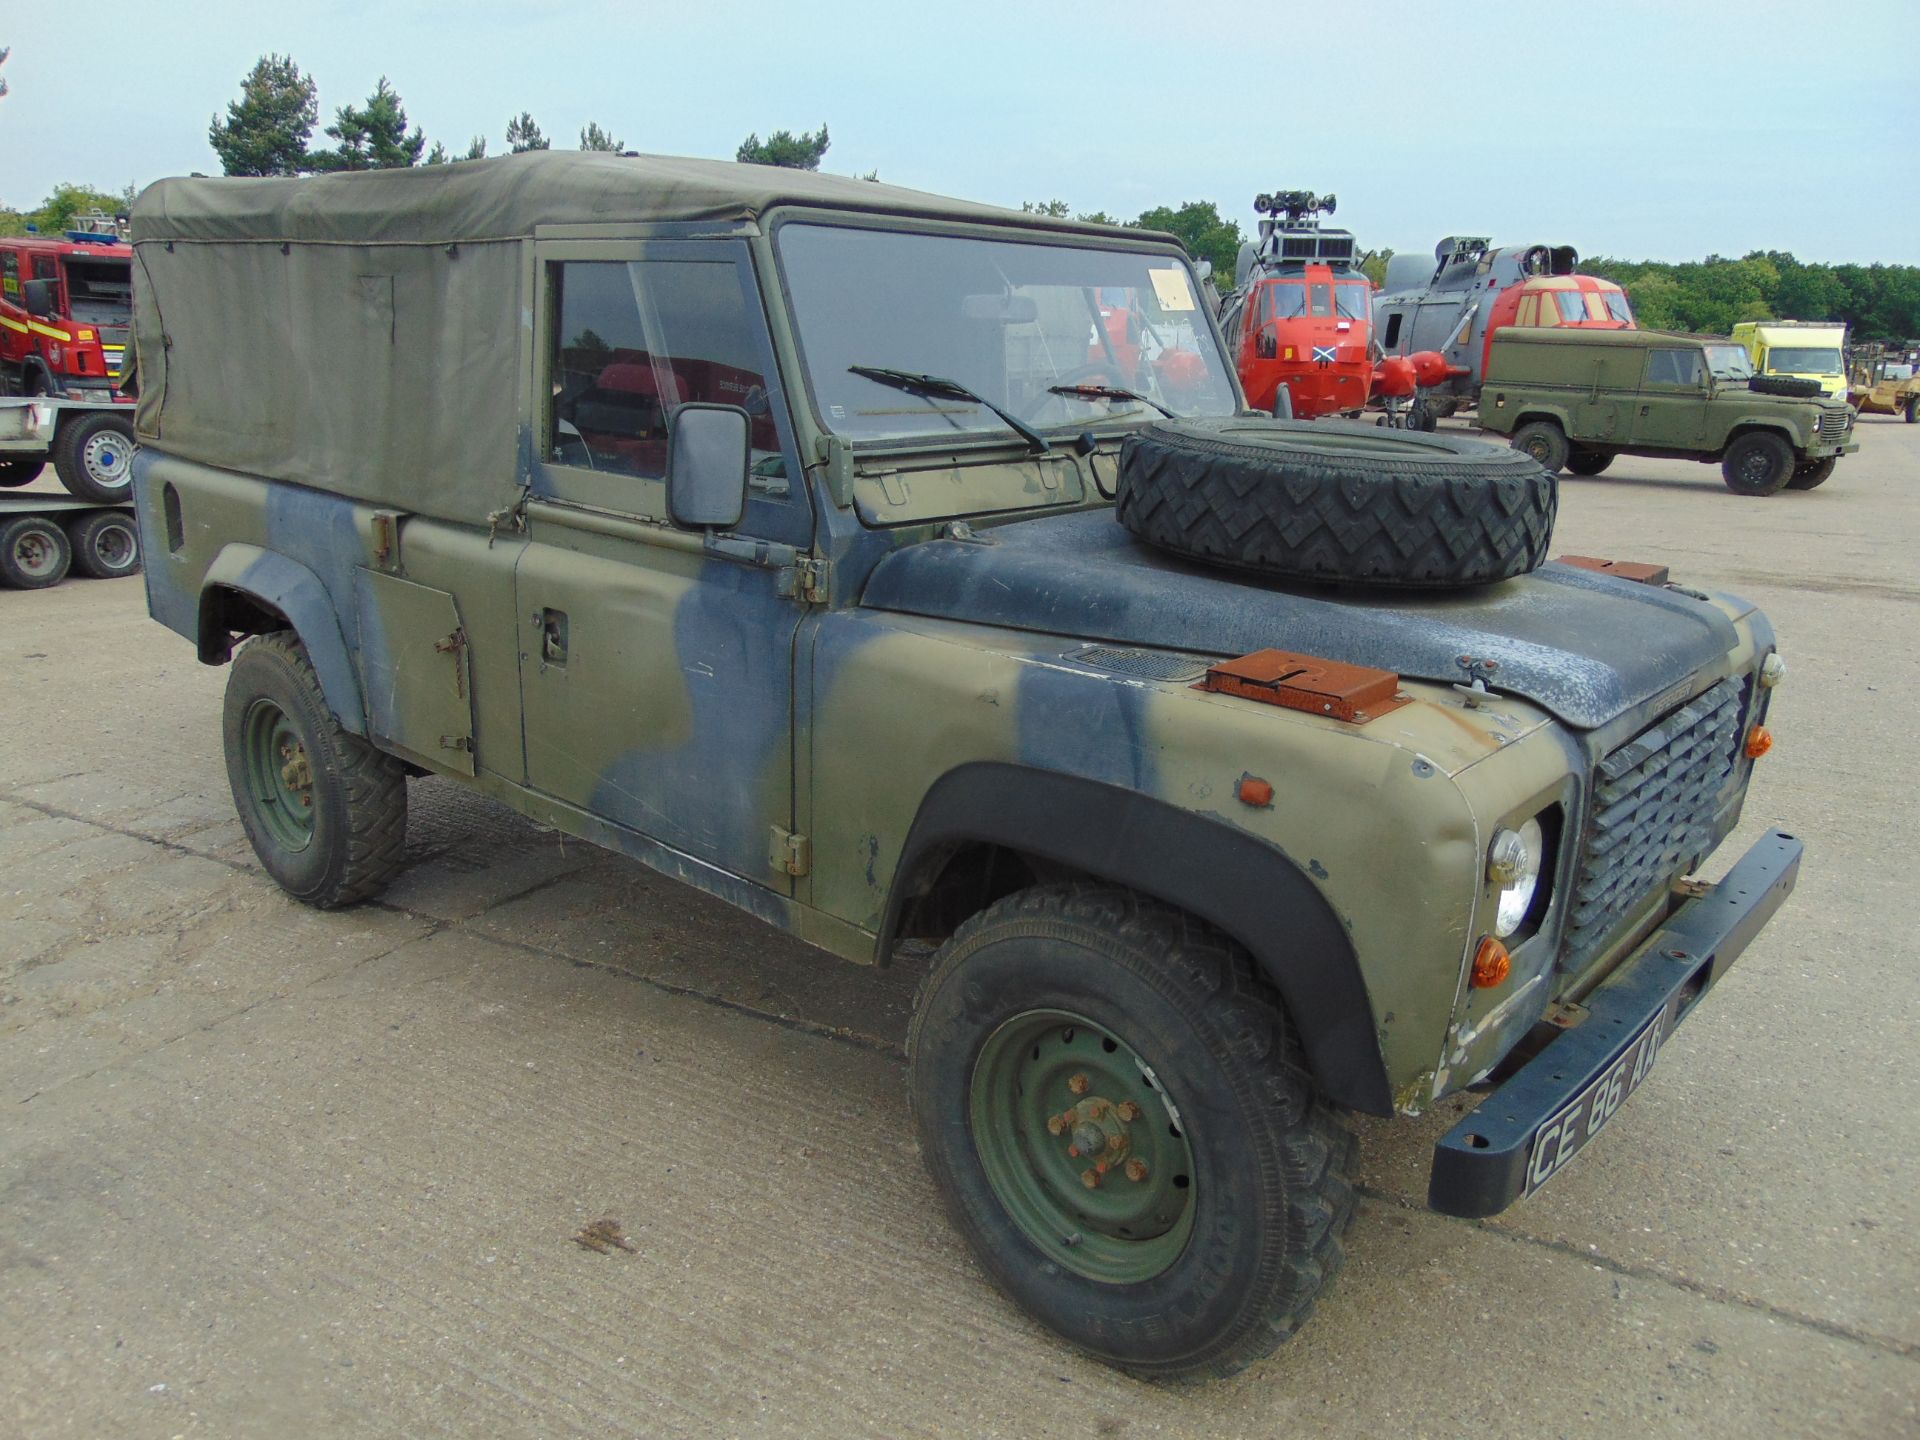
271,1172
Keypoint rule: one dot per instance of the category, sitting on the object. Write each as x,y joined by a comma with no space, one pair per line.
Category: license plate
1567,1134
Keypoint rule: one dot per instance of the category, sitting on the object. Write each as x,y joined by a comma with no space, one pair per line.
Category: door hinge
791,854
807,580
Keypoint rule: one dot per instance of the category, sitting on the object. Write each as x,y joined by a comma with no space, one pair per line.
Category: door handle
553,636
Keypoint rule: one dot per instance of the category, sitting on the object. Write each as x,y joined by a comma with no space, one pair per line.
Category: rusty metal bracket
790,854
1692,889
455,645
1619,569
1353,693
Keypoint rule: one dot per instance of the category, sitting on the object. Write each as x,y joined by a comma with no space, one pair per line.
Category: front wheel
94,457
326,812
1757,463
1814,472
1588,462
1119,1116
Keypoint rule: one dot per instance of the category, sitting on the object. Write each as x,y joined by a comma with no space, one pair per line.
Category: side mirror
42,297
707,453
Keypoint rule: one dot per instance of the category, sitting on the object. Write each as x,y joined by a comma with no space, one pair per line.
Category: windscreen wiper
1109,392
934,387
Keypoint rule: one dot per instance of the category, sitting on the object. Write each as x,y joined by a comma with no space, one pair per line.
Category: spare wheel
1333,501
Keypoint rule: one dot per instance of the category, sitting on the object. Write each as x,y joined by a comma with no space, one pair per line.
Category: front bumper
1480,1166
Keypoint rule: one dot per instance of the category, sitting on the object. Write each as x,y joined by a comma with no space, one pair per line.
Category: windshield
1354,300
1729,362
1002,318
1288,299
1617,306
1803,360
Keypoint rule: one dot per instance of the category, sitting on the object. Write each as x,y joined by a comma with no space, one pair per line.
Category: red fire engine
66,313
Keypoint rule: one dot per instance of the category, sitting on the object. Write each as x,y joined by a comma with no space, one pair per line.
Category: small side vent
1141,664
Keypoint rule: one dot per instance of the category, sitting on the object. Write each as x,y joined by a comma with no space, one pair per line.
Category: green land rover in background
1575,399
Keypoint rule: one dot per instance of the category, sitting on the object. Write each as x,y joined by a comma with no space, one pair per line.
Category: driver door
656,669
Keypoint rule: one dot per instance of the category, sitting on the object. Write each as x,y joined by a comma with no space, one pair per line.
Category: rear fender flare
293,592
1234,881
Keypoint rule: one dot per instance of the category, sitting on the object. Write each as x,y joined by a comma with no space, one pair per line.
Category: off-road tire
1757,463
81,454
1271,1192
1337,502
1588,462
1787,385
1813,474
359,794
15,473
1545,443
34,553
106,544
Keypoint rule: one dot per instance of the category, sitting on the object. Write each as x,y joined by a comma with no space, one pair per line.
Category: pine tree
524,135
267,128
594,138
374,137
782,147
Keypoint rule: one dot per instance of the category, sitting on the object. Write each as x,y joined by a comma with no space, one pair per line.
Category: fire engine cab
1300,316
66,312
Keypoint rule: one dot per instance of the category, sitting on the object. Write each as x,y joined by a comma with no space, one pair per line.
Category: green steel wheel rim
1083,1146
279,775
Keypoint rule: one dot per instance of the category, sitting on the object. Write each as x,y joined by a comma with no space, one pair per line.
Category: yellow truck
1797,350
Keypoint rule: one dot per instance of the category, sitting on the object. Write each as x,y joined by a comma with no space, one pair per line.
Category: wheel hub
1083,1147
279,775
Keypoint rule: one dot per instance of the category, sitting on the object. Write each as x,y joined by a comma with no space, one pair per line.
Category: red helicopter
1300,323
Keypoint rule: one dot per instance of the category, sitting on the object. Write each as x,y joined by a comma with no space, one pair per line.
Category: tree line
1874,302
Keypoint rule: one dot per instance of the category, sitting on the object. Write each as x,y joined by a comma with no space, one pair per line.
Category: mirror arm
770,553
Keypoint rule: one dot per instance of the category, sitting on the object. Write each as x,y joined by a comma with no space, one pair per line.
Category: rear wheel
326,812
1588,462
1120,1119
94,457
1757,463
1913,409
15,473
33,553
1545,442
105,544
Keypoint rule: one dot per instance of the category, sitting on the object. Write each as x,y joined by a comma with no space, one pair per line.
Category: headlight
1772,671
1513,863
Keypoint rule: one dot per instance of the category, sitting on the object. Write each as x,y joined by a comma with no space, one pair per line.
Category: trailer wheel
94,457
33,553
15,473
105,545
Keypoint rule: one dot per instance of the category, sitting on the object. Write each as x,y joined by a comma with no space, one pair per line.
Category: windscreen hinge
807,580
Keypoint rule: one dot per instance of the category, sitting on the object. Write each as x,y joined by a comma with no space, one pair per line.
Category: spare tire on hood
1337,501
1790,386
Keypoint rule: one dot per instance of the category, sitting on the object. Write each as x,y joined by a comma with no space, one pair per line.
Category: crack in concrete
1906,1350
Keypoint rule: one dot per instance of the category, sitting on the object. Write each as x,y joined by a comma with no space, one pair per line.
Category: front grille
1654,804
1834,425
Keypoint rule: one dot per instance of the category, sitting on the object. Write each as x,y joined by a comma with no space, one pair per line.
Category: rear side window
10,275
1675,367
1393,330
635,339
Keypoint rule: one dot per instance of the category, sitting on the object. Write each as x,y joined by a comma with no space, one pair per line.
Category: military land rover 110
1574,399
813,541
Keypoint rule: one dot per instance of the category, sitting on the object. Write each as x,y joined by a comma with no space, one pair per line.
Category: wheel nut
1090,1179
1074,1151
1096,1108
1136,1169
1079,1084
1116,1142
1057,1124
1127,1110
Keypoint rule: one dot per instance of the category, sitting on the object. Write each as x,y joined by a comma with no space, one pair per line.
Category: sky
1660,131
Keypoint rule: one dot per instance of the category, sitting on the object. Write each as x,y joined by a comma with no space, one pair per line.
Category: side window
634,339
1529,311
45,267
10,275
1674,367
1393,330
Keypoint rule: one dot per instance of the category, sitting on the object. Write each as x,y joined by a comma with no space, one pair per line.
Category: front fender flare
1242,885
296,594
